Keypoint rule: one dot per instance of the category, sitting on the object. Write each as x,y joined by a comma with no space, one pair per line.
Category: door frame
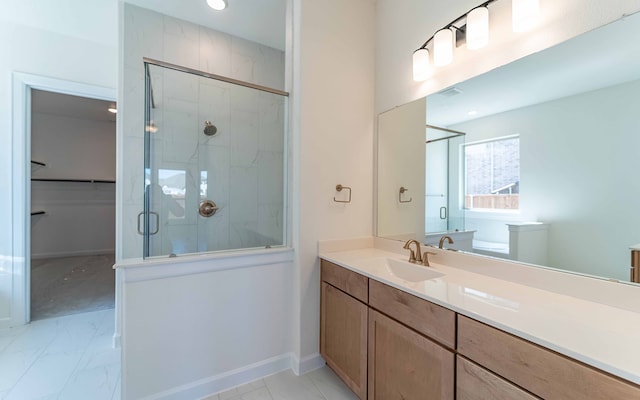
21,178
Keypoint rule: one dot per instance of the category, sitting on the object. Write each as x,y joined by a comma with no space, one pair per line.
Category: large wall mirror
542,160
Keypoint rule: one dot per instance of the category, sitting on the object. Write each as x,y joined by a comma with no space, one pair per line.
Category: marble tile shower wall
240,166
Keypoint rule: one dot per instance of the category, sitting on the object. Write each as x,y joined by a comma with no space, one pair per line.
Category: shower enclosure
443,212
214,163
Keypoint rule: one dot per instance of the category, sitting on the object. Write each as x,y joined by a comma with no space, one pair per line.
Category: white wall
80,217
333,123
400,164
578,155
193,335
63,40
404,26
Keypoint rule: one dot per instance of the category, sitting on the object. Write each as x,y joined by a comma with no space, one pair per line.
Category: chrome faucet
414,256
442,239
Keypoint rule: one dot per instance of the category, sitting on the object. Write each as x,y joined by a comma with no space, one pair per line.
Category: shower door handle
155,214
443,212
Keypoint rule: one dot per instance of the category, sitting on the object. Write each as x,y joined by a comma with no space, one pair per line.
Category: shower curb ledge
137,270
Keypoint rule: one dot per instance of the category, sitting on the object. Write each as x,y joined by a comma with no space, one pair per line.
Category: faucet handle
425,258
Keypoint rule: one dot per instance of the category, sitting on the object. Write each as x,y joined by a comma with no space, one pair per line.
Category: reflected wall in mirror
566,195
401,161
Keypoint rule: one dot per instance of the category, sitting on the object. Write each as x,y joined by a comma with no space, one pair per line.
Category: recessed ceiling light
472,113
217,4
112,110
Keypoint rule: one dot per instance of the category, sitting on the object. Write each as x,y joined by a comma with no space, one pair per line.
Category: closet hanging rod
38,212
72,180
38,163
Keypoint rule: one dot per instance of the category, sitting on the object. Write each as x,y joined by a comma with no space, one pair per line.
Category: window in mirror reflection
492,174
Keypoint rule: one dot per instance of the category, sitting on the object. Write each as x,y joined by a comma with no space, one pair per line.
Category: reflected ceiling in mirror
600,58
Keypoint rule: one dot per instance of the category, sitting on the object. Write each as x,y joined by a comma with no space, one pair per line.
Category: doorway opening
72,200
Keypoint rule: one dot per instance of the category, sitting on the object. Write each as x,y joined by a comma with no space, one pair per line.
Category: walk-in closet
73,158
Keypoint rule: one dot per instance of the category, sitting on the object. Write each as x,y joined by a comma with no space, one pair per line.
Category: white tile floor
321,384
64,358
71,358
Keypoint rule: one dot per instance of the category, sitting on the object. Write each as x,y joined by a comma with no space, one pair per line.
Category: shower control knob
208,208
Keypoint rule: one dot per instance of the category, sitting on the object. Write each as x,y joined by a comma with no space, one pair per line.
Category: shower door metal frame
164,64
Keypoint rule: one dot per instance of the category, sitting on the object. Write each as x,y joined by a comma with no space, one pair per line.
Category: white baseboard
306,364
227,380
73,253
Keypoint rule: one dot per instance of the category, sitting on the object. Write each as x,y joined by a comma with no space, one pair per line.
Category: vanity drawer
476,383
348,281
425,317
540,371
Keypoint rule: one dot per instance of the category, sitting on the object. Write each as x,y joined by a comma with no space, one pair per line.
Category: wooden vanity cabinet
385,343
406,365
343,325
538,370
405,354
408,358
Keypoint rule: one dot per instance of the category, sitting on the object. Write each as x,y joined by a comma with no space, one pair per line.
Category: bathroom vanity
470,328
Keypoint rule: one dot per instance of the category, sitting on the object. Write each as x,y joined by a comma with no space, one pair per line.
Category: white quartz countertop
597,334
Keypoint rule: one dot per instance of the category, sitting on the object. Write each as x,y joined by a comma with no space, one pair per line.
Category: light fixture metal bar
451,24
214,76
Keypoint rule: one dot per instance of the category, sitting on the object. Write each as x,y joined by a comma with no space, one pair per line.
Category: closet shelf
39,212
38,163
72,180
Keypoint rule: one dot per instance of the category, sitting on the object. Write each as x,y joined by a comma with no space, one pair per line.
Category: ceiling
603,57
71,106
261,21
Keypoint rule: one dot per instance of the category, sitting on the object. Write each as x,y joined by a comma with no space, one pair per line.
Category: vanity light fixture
443,47
421,65
524,14
477,28
217,5
471,28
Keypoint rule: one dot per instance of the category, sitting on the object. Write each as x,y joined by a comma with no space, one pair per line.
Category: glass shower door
214,165
437,190
443,212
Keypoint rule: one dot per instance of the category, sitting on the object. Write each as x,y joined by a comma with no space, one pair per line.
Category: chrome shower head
209,128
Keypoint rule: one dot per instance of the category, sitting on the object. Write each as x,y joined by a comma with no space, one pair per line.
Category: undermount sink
404,270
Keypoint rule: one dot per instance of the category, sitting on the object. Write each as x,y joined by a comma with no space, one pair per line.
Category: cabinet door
406,365
343,337
476,383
